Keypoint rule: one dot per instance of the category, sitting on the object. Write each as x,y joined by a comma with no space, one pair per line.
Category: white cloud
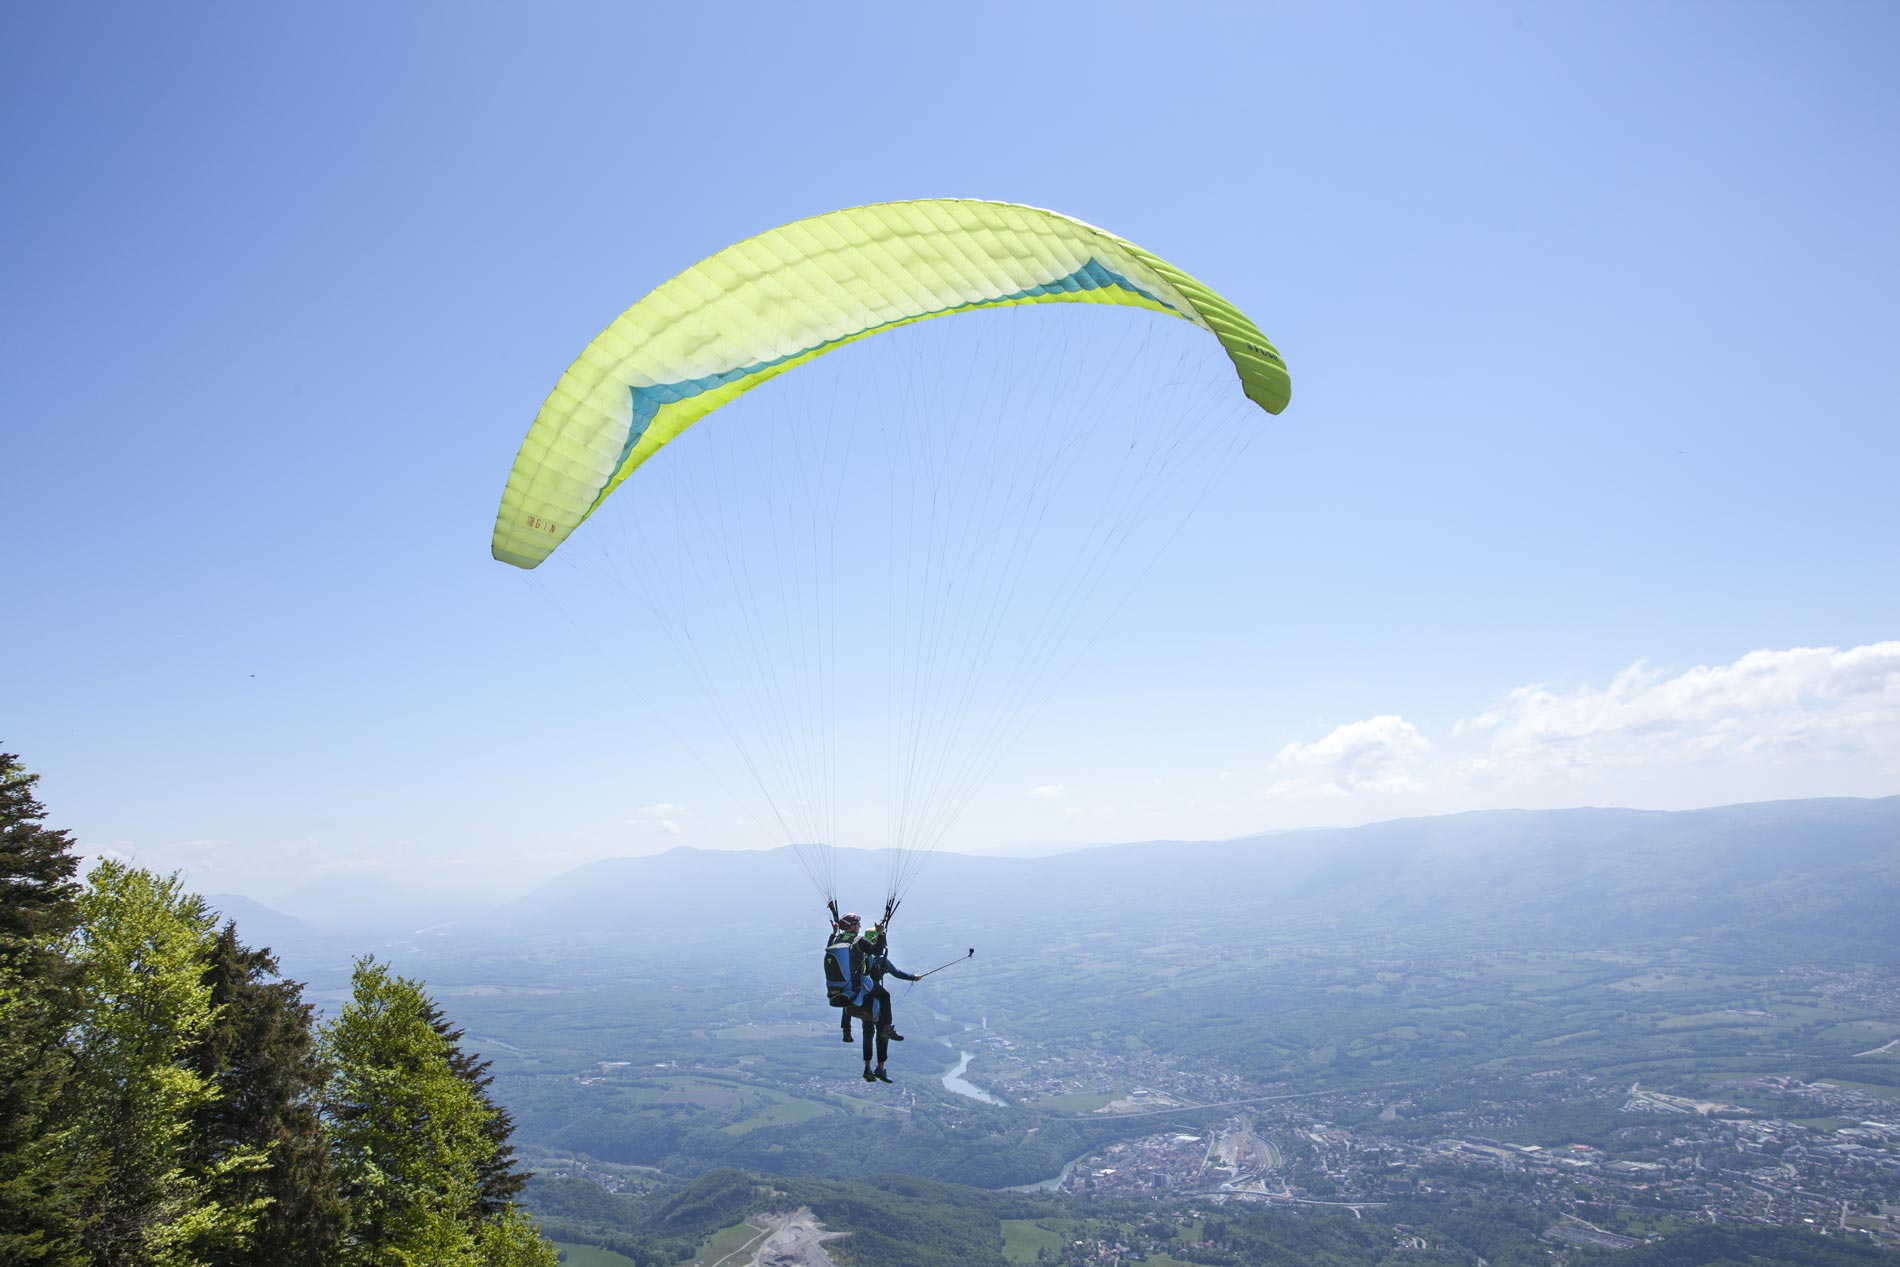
1812,701
1771,722
1047,790
1378,755
122,852
662,816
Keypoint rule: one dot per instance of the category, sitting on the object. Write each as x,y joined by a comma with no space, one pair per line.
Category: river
1055,1181
953,1080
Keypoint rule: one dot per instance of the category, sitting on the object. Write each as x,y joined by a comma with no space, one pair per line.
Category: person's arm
899,973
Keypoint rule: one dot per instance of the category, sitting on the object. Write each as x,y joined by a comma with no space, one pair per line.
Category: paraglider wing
776,301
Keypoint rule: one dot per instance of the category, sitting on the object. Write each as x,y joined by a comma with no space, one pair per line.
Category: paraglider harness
838,991
847,985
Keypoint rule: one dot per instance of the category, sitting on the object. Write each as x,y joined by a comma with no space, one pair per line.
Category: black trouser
874,1027
885,1024
876,1004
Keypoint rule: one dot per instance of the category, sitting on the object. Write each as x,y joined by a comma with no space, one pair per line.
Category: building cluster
1821,1174
610,1178
1127,1246
1160,1163
1864,988
1025,1074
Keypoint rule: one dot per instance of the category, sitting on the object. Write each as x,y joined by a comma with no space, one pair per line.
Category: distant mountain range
1820,874
262,926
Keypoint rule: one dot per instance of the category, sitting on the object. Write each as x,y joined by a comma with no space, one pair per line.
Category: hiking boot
879,1075
871,1077
847,1036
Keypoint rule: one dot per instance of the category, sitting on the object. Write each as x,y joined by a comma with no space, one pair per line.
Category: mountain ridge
1774,865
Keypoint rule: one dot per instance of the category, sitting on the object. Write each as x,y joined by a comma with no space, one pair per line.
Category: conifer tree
413,1137
500,1180
44,1182
36,870
142,948
260,1051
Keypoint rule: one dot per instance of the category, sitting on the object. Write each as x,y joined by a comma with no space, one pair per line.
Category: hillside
1815,874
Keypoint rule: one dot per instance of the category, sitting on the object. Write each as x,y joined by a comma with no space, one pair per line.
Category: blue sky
1586,495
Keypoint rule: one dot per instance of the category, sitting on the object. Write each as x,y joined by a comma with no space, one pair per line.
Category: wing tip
527,562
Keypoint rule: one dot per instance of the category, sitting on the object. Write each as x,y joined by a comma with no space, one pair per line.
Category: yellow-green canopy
775,301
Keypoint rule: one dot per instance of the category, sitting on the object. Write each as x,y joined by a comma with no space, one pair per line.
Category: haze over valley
1651,1021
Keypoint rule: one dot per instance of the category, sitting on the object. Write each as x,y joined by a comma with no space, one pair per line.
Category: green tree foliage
1739,1247
412,1137
988,1149
44,1182
36,870
892,1220
162,1091
260,1053
897,1222
500,1180
142,949
509,1238
718,1198
573,1209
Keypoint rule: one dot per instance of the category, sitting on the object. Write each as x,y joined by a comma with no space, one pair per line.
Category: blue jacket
877,962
